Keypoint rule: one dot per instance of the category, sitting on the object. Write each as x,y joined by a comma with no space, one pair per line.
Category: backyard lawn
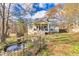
58,44
62,44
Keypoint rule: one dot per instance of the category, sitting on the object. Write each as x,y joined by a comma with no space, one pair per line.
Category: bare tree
71,11
3,22
4,14
7,20
26,9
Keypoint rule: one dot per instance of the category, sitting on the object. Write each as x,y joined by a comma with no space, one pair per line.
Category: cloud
41,5
39,14
28,16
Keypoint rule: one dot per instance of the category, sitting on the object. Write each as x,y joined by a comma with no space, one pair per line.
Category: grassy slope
62,44
57,44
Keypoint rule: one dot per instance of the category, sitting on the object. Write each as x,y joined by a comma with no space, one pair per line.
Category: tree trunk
7,26
3,23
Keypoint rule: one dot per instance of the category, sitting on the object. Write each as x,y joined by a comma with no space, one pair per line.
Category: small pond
14,47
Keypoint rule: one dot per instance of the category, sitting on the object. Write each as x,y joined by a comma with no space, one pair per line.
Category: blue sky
37,7
46,6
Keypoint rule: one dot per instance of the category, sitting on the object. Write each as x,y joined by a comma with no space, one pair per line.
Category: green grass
61,39
9,41
64,44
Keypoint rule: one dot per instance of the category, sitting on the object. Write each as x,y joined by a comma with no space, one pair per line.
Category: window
46,28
